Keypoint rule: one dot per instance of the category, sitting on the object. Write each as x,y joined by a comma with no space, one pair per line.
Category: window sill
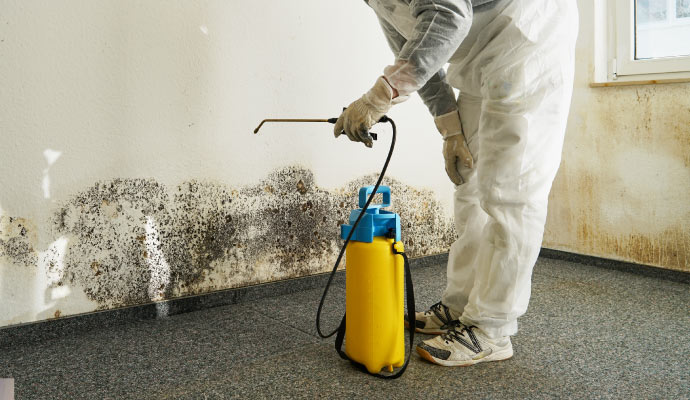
621,82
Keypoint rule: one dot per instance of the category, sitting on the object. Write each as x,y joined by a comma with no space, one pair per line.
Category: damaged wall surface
130,173
623,189
133,241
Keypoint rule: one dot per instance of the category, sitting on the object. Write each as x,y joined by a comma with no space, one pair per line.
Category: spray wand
329,120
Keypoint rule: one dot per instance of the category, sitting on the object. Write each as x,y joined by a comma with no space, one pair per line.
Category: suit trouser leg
470,218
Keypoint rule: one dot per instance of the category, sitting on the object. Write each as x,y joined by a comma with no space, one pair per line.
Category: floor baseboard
45,330
639,269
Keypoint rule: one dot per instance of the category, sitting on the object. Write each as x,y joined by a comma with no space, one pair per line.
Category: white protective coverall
514,70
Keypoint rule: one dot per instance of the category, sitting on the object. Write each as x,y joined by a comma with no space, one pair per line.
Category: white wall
153,97
174,90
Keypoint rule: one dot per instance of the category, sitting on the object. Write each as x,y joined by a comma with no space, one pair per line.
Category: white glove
363,113
454,145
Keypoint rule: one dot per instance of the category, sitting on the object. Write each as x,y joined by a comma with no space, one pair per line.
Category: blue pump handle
367,190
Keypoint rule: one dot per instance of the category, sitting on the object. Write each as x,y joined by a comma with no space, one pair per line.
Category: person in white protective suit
512,61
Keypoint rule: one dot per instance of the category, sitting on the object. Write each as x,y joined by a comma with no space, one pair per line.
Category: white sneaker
435,321
463,346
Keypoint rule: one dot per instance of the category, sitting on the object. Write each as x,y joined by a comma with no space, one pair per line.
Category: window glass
650,11
662,28
682,8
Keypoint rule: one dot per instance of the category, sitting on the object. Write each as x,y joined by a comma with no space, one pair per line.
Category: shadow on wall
133,241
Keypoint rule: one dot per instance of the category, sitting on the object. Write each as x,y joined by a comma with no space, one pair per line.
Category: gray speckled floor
589,333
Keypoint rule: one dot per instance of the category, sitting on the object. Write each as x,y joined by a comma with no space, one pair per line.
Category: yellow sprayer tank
375,334
374,277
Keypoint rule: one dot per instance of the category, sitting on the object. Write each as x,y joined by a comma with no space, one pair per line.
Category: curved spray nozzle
329,120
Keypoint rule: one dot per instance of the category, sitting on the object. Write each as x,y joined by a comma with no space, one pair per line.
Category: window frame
626,63
614,58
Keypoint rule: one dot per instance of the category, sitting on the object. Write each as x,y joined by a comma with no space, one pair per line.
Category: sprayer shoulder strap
409,291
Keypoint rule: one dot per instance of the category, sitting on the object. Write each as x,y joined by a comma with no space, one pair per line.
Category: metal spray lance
329,120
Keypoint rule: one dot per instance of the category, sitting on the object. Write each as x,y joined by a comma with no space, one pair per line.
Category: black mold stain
297,224
105,226
200,231
16,241
134,240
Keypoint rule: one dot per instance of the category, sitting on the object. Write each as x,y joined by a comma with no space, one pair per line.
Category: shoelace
444,317
455,334
436,308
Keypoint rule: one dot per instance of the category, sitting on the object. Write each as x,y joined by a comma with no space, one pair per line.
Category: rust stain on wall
131,241
668,249
623,190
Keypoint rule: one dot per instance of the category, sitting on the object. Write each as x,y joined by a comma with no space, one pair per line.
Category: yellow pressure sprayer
374,275
376,269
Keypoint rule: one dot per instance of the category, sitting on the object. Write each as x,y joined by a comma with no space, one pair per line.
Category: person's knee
496,196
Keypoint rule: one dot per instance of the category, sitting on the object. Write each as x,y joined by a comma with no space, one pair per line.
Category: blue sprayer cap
375,222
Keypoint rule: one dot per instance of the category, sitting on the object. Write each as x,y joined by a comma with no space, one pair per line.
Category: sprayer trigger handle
373,135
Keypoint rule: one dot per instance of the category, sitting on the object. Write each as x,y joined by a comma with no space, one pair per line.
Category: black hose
354,227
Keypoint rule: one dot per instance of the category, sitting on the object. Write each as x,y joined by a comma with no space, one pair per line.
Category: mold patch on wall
105,224
132,241
17,241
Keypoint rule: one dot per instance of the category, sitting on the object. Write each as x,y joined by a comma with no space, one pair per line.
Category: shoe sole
427,331
498,356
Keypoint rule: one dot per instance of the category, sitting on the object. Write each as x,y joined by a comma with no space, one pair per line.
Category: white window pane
682,8
660,31
650,11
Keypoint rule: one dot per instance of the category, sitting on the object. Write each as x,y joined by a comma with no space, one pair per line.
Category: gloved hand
454,145
363,113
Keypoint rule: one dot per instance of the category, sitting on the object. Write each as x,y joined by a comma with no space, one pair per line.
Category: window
659,27
645,39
